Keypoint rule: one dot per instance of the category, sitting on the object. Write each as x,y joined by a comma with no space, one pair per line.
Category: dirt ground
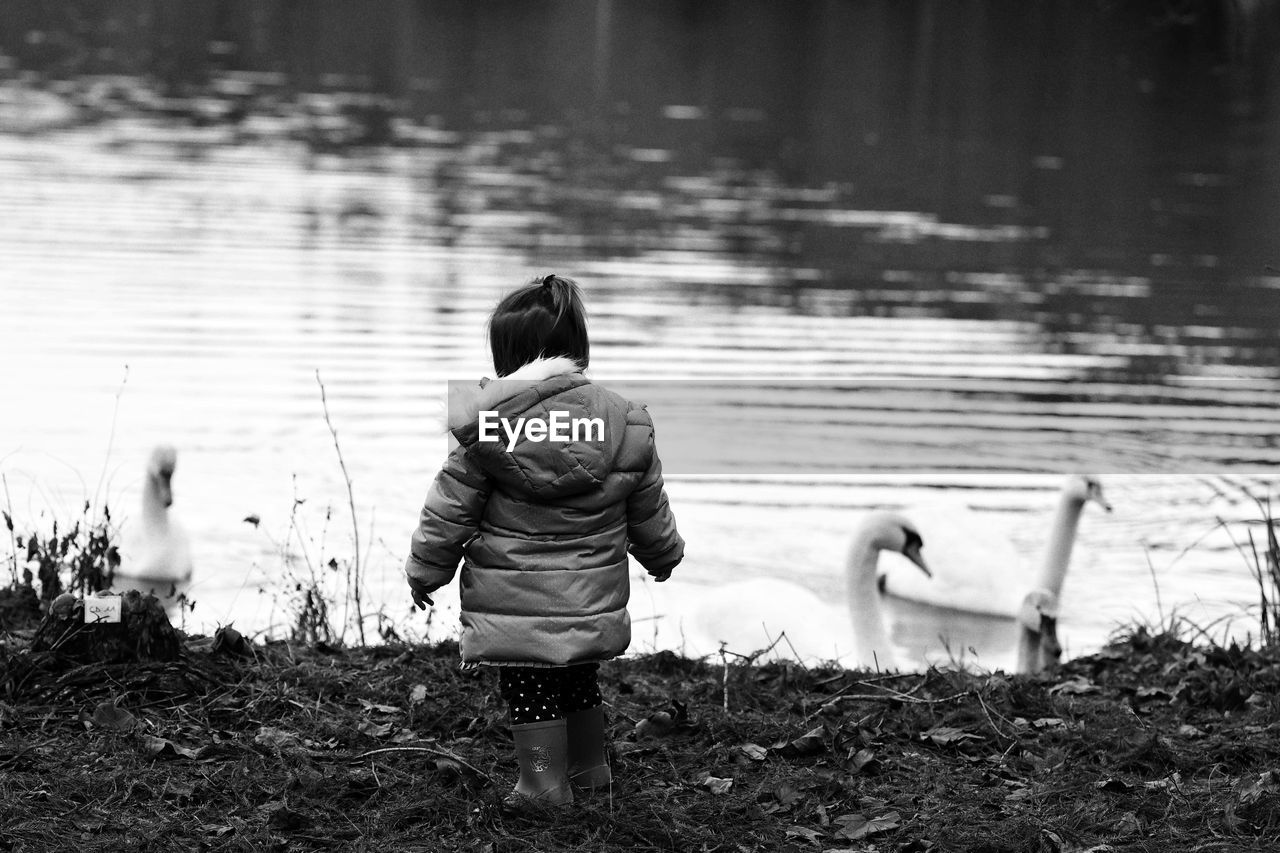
1152,744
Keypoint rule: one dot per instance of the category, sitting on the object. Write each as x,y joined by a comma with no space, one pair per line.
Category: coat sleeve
651,526
450,518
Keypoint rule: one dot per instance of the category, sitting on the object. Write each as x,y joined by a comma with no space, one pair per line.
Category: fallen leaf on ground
1145,694
717,785
656,724
108,716
809,743
382,709
916,846
277,740
228,641
786,794
1128,824
863,759
158,747
804,832
854,827
944,735
1250,791
285,818
1074,687
372,729
1050,842
1173,783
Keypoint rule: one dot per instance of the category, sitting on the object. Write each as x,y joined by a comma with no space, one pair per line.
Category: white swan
156,555
749,615
987,576
1037,631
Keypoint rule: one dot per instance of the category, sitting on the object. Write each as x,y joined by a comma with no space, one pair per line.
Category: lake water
945,253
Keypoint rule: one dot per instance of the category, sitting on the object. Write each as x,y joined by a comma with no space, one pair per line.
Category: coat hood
544,431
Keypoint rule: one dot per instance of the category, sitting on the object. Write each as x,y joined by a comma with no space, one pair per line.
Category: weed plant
1264,562
320,584
80,557
1261,553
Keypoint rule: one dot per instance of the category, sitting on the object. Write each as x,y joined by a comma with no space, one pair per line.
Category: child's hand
421,595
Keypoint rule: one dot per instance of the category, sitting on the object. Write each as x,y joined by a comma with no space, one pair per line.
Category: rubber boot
541,750
588,760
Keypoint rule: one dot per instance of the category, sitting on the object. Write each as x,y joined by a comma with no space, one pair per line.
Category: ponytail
544,318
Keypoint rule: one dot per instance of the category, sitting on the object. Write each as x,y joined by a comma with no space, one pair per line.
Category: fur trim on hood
466,403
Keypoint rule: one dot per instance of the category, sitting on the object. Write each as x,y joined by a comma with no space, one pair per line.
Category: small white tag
105,609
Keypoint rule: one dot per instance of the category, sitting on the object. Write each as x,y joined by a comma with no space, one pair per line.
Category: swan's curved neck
1057,554
156,496
1028,650
864,605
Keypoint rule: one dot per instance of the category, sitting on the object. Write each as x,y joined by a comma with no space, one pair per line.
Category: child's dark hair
544,318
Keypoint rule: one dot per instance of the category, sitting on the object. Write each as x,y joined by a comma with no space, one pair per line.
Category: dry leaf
717,785
372,729
656,724
753,751
786,794
1128,824
854,827
1147,693
108,716
944,735
158,747
1250,791
807,834
862,759
1074,687
1050,842
381,709
278,741
809,743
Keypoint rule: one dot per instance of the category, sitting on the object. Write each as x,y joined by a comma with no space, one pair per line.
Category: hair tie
546,282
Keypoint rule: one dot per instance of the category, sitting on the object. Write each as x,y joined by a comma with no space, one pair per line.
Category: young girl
542,518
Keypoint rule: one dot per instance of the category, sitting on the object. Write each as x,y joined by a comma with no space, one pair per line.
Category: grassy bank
1150,745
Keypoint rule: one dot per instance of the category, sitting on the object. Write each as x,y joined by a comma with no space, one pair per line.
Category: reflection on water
1072,208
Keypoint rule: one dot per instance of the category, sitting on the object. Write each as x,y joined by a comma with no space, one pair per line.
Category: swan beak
912,553
1095,495
1037,607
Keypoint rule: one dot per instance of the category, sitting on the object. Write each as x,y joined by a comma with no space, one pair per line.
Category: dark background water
1113,163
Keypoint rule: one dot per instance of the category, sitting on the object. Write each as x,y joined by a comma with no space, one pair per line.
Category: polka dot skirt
536,694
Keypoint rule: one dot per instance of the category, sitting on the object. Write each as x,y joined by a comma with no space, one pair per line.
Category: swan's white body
986,575
748,616
156,554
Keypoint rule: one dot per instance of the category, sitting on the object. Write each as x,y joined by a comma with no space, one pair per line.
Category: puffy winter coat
543,528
